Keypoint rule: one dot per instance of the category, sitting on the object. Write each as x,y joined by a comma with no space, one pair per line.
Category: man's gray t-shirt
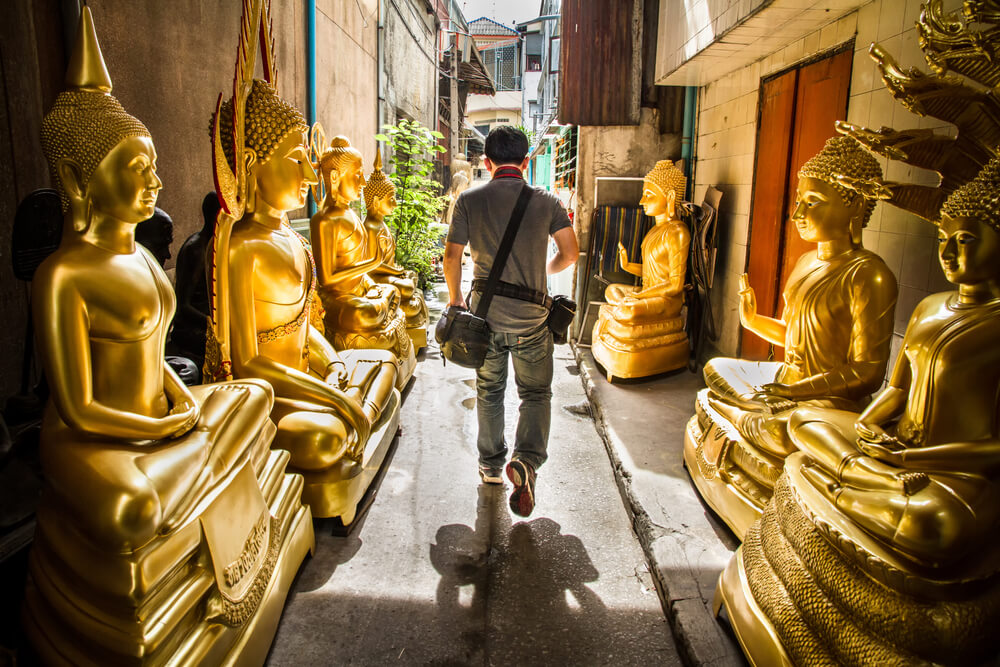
480,219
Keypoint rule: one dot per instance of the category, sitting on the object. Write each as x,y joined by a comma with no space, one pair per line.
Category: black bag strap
486,296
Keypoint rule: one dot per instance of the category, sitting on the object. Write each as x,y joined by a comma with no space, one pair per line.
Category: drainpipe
311,76
687,136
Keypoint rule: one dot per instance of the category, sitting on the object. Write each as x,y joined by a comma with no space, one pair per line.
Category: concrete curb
675,547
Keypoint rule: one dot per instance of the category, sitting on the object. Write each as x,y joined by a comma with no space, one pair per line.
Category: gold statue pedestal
338,491
648,349
808,587
208,589
418,336
734,478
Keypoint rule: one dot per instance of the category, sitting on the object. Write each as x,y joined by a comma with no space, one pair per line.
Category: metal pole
453,93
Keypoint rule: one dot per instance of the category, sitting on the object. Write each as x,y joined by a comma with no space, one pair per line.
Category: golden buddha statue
890,517
836,328
640,331
380,201
879,545
336,413
360,313
167,531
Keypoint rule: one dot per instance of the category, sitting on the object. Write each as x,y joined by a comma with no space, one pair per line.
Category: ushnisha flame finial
87,70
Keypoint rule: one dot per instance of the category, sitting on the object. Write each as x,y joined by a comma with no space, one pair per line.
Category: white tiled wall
726,143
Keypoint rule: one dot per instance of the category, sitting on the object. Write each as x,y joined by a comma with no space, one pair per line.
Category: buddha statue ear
857,207
250,169
671,203
71,177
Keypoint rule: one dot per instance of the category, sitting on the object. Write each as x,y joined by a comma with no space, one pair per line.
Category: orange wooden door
798,111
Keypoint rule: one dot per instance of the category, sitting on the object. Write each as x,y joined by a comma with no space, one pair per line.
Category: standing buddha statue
167,531
360,313
380,201
336,413
836,328
640,330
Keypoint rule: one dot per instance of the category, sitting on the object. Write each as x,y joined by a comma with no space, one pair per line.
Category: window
534,63
554,55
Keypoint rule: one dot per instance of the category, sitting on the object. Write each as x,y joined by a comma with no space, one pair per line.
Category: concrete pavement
642,423
440,572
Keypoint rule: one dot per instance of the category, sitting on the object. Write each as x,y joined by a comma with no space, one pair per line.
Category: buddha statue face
283,180
654,202
969,250
820,213
124,185
385,205
352,180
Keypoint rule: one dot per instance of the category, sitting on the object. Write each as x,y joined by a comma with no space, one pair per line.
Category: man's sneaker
490,475
522,476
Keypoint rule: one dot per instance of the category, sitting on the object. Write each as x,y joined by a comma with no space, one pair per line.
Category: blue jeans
532,354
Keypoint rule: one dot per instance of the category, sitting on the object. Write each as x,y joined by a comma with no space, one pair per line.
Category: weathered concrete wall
169,62
409,67
32,72
346,61
620,150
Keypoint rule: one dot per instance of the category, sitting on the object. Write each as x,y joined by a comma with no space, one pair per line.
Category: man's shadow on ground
529,594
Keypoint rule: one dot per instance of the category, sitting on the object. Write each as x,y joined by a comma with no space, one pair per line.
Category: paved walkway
440,572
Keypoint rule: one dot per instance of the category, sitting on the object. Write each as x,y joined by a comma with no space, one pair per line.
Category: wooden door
798,110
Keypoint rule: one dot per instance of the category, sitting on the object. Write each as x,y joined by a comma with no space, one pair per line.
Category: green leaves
414,221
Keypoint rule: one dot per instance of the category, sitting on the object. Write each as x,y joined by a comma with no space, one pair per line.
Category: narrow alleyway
441,573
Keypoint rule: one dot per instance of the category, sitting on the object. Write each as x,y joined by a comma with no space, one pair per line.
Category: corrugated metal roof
487,26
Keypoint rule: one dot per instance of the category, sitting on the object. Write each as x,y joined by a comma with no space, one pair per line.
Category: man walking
518,325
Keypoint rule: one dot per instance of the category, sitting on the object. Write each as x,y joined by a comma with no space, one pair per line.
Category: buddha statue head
102,159
969,231
831,199
340,168
279,172
662,188
380,193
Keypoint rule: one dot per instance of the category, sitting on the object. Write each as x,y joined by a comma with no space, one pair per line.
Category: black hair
506,145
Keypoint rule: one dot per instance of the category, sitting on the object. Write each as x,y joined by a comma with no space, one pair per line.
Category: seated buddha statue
137,526
360,313
640,330
380,201
888,519
836,329
336,413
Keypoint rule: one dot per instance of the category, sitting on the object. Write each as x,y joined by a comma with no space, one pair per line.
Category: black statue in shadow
187,338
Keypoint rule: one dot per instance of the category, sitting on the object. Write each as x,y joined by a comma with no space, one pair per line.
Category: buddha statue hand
336,374
769,396
875,435
186,411
622,255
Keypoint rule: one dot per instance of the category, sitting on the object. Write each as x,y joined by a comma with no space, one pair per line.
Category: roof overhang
696,47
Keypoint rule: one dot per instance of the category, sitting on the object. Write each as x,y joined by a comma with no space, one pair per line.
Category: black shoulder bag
464,336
